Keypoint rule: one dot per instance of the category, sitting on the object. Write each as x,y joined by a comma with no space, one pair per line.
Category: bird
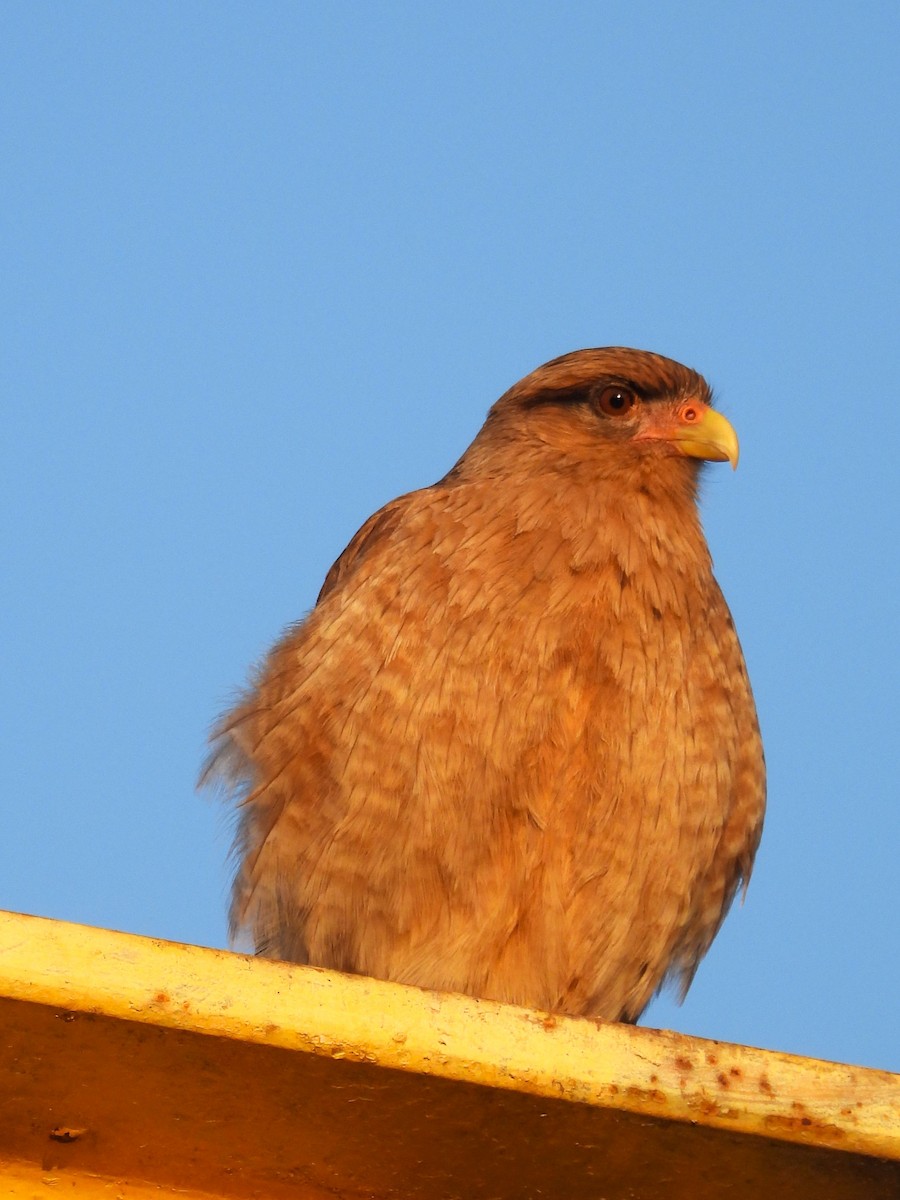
512,751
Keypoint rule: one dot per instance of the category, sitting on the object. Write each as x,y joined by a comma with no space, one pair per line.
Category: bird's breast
516,654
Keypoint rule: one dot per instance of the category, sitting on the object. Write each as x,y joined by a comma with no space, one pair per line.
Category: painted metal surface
133,1067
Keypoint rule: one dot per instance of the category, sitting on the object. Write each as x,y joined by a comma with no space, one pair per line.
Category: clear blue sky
265,266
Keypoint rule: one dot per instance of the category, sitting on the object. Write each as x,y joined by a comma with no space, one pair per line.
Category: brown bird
513,750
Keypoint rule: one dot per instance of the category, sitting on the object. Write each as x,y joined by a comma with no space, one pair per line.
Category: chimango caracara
513,750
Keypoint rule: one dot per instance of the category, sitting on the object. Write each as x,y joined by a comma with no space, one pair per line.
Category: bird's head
614,412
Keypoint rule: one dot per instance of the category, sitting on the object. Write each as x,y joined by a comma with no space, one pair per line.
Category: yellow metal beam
132,1066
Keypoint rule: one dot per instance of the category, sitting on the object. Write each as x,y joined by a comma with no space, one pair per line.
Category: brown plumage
513,750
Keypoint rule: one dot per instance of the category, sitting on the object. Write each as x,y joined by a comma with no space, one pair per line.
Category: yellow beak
711,437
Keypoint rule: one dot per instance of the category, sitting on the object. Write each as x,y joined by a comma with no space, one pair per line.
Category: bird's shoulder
378,534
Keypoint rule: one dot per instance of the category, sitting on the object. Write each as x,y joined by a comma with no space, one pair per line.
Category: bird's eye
615,400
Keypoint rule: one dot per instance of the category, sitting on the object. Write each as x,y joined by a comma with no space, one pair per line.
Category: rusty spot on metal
546,1021
646,1094
823,1129
706,1106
